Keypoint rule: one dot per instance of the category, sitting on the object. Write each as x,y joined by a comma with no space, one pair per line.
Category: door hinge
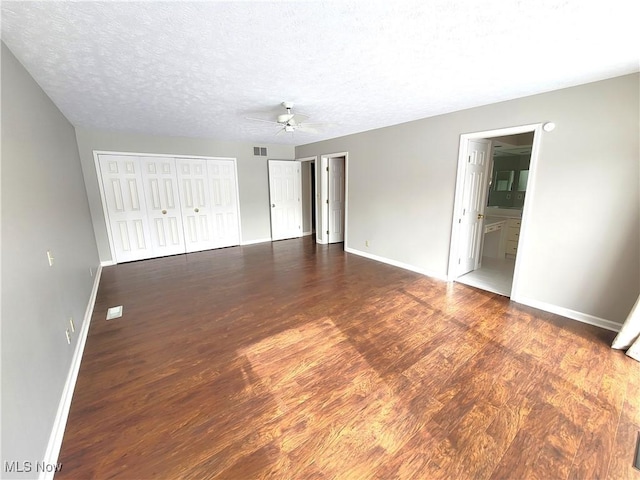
469,161
459,261
327,169
327,200
327,232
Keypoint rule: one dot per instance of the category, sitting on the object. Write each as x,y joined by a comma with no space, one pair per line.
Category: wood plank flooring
291,360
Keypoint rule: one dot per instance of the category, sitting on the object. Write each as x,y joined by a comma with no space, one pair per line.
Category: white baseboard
108,263
259,240
395,263
572,314
305,234
60,422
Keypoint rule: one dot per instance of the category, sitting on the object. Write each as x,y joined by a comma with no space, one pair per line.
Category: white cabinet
161,205
493,241
513,235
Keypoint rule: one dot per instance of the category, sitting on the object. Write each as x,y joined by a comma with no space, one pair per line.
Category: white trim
321,213
395,263
259,240
536,128
572,314
103,201
324,159
60,422
313,159
346,196
318,226
235,172
108,263
525,237
298,180
172,155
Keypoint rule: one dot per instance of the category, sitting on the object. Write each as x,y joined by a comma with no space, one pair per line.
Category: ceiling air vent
260,151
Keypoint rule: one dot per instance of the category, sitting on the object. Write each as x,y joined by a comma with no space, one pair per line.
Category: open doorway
493,193
309,195
324,197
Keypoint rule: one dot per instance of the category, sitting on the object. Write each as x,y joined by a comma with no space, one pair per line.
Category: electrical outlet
68,336
73,327
366,243
50,258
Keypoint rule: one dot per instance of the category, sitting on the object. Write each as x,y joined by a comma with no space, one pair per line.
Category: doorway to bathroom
492,194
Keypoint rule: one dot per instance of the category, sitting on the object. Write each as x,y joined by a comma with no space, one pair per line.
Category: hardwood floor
296,361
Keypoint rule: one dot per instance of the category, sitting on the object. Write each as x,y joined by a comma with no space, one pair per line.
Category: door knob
164,212
196,210
480,216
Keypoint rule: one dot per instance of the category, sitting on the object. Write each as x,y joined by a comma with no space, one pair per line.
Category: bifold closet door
125,204
195,202
224,203
158,206
163,205
208,198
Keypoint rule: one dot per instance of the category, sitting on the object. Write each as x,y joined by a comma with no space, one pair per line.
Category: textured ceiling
198,69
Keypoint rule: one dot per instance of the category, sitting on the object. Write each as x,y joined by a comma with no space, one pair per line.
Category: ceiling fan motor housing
285,117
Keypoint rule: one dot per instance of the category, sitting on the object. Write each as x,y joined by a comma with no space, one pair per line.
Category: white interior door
473,204
285,196
335,204
163,205
224,203
195,203
125,204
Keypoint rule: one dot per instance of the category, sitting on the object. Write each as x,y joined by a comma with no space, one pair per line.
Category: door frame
524,240
313,159
324,159
105,213
299,181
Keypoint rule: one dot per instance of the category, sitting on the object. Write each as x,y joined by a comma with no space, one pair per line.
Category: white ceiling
198,69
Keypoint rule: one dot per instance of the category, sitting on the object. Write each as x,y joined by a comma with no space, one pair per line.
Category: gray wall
253,180
44,207
585,222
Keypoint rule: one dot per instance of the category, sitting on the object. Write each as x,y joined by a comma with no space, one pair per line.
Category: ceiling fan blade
304,127
261,120
306,124
301,115
281,131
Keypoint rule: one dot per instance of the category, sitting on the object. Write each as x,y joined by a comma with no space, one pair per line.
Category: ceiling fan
290,122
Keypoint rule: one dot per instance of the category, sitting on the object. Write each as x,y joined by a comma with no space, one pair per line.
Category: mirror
523,178
511,159
503,181
509,179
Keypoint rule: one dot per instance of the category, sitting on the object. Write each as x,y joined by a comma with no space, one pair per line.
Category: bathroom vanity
501,234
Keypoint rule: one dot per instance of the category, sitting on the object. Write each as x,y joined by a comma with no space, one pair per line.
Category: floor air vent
114,312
